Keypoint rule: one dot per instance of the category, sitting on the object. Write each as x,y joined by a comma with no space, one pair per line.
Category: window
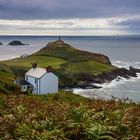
35,80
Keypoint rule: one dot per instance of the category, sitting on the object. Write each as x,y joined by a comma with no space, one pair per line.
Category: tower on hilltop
59,38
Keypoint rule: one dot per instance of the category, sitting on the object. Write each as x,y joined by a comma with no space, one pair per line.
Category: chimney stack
49,68
34,65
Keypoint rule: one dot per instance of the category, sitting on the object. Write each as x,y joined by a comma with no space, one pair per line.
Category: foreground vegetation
65,116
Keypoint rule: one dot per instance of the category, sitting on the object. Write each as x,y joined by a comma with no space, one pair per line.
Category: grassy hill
67,63
63,50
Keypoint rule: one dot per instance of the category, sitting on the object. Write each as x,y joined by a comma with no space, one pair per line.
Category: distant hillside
65,51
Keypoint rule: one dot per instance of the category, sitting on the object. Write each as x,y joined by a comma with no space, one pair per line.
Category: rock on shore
108,77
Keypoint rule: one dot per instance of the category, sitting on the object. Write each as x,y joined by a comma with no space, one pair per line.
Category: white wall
49,83
31,80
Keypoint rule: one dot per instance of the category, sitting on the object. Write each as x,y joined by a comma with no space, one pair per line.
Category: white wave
138,75
121,64
113,83
125,64
116,88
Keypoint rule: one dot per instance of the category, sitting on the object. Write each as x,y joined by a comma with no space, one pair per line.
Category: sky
70,17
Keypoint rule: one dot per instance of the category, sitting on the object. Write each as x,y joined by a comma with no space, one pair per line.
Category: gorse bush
65,116
8,88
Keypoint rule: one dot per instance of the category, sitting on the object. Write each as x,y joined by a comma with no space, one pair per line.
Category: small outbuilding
24,85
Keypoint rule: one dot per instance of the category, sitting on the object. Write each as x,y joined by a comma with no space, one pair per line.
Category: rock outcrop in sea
16,42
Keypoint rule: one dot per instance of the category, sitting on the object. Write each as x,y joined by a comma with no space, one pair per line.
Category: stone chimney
34,65
49,68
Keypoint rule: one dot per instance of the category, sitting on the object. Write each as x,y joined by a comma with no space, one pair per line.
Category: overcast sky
70,17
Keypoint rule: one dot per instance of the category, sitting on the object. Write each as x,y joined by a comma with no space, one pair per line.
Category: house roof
36,72
23,82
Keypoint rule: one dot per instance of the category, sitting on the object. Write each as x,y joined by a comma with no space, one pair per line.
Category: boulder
108,77
132,69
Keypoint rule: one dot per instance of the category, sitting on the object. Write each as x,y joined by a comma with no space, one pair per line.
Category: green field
42,61
90,67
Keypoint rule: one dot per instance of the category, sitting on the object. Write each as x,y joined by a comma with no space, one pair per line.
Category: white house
43,81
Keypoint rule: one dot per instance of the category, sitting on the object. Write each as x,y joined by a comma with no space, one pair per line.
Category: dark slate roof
23,82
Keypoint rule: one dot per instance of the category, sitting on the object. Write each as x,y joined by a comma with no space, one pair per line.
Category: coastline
94,81
12,52
113,90
119,61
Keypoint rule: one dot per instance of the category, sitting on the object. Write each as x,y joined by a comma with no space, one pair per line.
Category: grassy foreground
66,116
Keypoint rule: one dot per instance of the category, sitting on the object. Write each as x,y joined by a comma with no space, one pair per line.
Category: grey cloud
71,9
51,9
129,24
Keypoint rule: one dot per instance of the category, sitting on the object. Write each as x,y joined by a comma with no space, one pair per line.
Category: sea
123,51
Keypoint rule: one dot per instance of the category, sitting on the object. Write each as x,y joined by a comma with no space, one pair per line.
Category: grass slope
90,67
6,73
17,67
66,116
65,51
42,61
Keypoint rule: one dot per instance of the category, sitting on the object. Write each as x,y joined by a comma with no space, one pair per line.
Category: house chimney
34,65
49,68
